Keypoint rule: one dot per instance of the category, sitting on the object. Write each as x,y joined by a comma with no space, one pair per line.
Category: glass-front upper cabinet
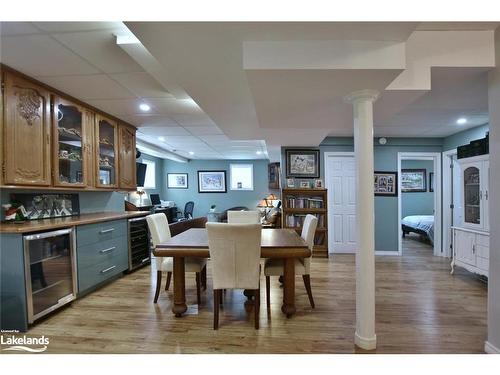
472,195
107,152
71,144
475,196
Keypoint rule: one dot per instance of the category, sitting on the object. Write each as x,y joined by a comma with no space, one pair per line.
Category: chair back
243,217
235,255
160,231
188,210
308,232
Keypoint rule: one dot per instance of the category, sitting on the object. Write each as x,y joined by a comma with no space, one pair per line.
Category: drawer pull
107,250
108,269
107,230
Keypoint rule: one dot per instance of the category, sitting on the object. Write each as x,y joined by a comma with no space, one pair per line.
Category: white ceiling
83,60
204,99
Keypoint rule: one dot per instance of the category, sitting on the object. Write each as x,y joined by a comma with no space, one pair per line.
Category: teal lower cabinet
13,305
102,253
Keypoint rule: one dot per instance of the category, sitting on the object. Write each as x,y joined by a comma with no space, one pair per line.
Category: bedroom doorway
419,203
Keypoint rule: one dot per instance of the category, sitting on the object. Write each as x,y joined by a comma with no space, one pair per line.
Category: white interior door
340,172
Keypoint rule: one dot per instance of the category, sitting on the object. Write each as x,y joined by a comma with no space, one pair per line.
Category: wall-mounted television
140,173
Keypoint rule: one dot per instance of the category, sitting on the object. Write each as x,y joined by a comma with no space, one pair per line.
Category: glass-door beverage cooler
50,271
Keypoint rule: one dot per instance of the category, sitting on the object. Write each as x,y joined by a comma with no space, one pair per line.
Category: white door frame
334,154
447,200
436,157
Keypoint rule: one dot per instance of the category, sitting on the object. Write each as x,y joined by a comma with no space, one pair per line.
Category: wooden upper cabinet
106,151
26,151
126,146
72,141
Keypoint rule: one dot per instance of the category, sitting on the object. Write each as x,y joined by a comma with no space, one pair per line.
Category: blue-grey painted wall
385,159
418,203
223,201
464,137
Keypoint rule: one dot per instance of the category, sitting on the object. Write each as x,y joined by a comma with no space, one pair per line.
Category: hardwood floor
420,308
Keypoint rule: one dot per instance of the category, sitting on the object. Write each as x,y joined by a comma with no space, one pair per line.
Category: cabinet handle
480,194
144,260
473,249
106,230
108,269
486,194
107,250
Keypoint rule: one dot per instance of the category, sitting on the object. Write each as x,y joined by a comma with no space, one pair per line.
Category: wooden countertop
69,221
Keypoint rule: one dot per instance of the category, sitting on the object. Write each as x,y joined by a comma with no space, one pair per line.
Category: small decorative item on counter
212,208
14,212
290,183
305,184
318,183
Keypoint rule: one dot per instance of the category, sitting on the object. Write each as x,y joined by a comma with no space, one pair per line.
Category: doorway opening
419,203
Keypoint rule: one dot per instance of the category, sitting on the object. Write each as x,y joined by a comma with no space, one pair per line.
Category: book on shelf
304,202
297,220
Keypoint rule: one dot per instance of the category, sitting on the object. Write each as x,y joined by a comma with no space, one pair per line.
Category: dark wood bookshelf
308,201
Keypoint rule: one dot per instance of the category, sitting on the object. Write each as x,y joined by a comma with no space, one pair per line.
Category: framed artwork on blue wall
212,182
177,180
386,184
413,180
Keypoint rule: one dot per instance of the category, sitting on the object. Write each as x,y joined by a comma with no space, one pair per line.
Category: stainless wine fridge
50,269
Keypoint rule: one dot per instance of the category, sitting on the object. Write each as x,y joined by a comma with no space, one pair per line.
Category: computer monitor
155,199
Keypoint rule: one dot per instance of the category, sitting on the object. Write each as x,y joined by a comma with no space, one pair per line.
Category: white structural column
362,102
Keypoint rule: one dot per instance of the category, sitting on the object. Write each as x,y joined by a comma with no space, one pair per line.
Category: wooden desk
275,243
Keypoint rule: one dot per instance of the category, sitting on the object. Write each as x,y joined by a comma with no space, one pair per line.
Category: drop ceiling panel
164,131
119,107
141,84
39,55
203,130
98,86
101,49
17,28
143,120
193,119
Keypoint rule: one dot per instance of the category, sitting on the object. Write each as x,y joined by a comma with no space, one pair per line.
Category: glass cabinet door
472,195
70,145
107,154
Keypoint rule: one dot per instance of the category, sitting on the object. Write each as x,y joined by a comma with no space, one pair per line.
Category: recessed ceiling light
144,107
259,152
461,121
161,139
191,152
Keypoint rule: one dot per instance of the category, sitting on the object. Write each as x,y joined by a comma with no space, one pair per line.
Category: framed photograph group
386,184
302,163
212,182
177,180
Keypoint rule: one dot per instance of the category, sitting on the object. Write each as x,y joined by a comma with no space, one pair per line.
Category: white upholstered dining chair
235,257
160,232
274,267
243,217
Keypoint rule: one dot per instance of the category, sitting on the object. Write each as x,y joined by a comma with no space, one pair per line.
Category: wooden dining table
285,244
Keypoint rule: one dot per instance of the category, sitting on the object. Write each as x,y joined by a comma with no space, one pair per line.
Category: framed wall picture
305,184
212,182
431,182
177,180
385,184
413,180
274,175
302,163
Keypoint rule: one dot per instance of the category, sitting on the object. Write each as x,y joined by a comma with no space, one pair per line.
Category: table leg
288,307
179,306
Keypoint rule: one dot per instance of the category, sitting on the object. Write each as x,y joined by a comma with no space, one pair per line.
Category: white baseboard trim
383,252
365,343
490,349
342,252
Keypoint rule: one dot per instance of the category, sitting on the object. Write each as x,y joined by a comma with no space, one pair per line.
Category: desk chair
188,211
